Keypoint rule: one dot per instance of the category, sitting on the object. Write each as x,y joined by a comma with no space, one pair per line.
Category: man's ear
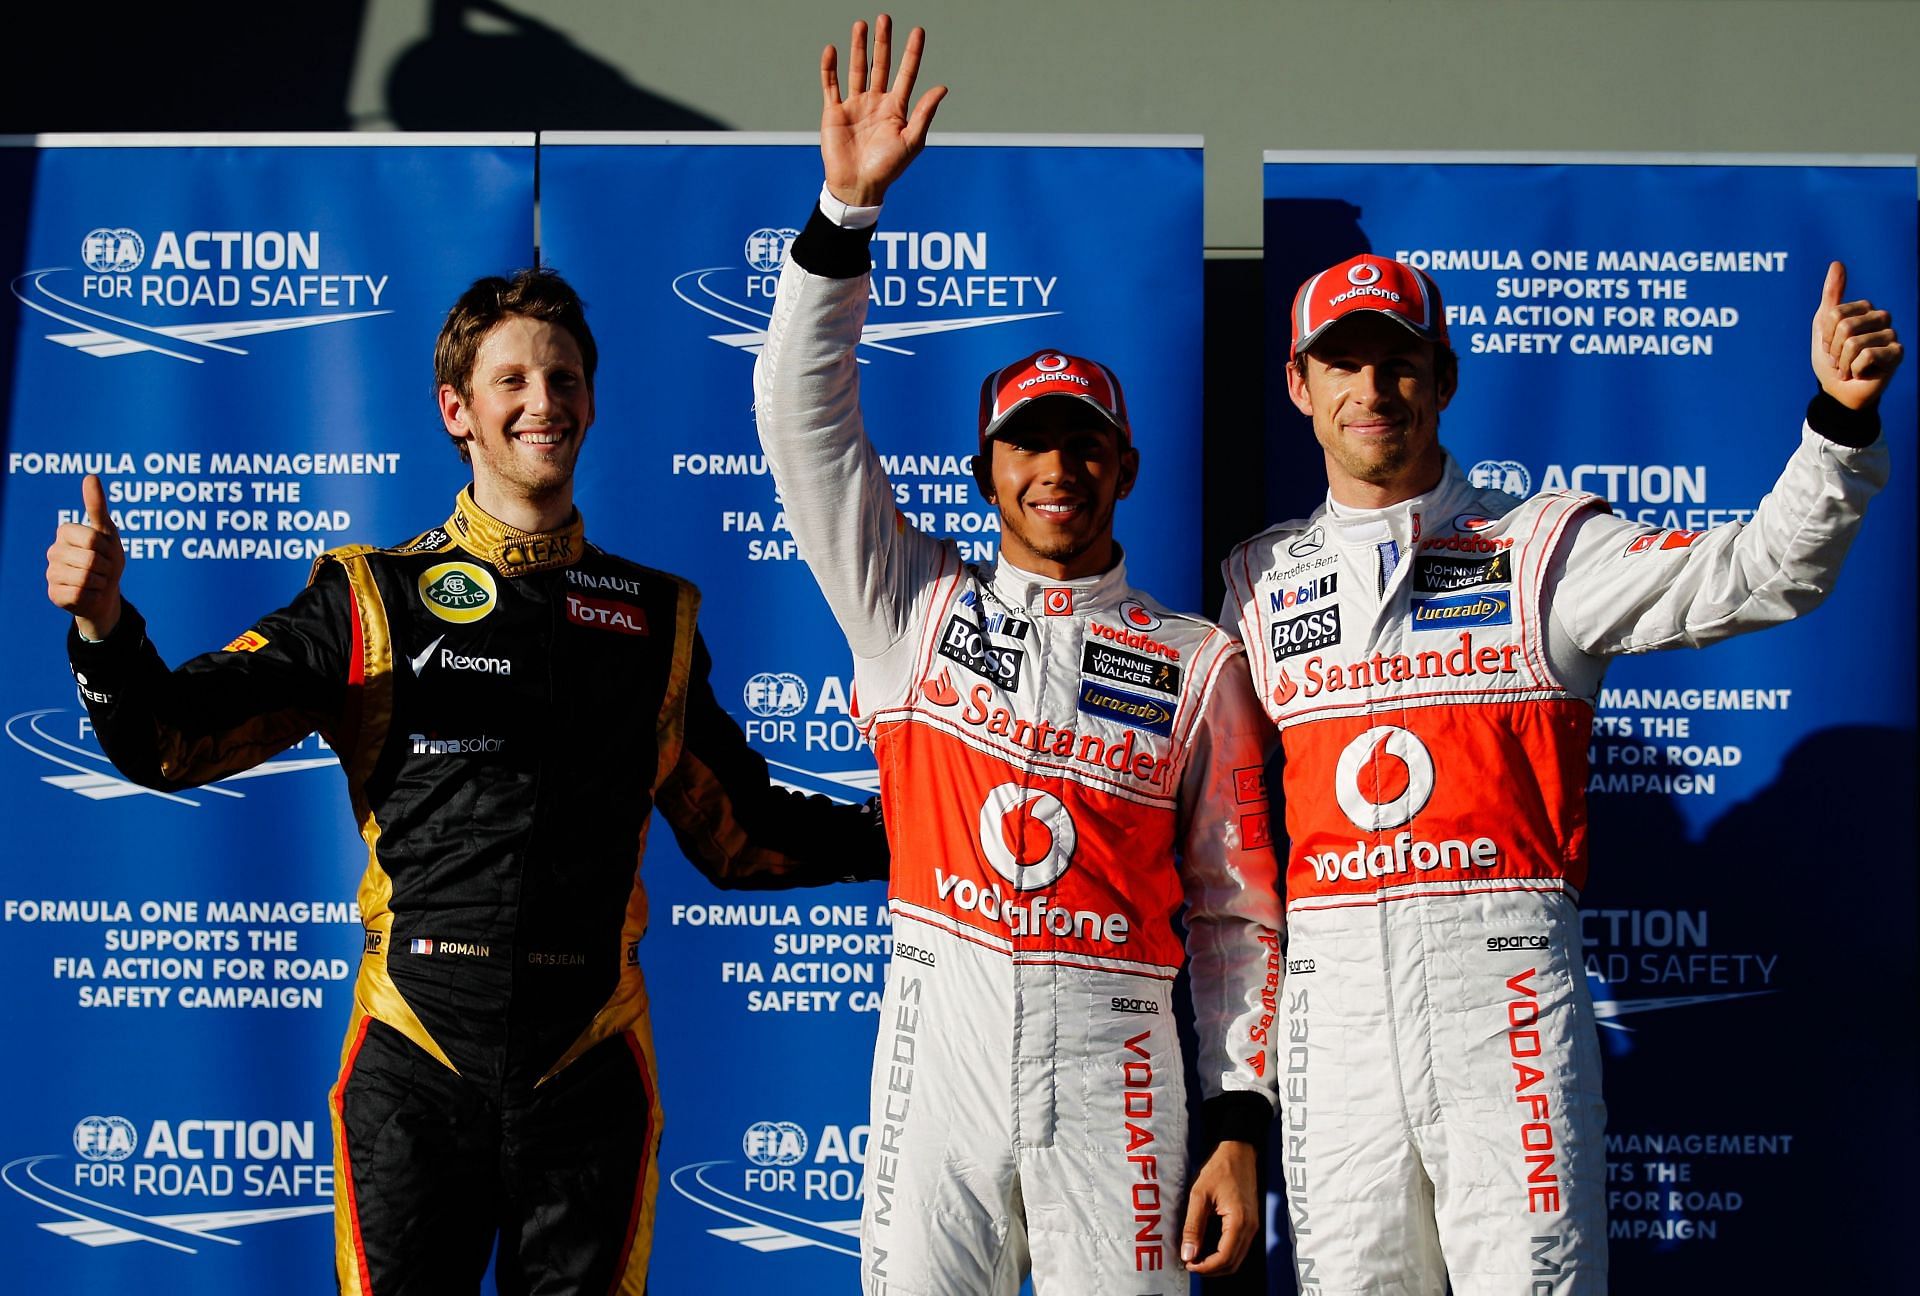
453,413
1129,471
1297,386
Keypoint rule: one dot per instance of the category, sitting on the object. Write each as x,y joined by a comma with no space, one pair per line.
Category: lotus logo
112,251
1383,779
457,592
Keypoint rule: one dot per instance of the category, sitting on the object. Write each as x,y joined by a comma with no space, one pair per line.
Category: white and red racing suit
1046,748
1431,667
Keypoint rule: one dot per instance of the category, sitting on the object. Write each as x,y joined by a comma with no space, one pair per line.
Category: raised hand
868,139
84,564
1855,350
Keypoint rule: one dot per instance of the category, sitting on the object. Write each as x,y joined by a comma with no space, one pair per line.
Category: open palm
868,139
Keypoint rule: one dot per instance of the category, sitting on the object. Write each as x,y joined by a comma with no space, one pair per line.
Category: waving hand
869,138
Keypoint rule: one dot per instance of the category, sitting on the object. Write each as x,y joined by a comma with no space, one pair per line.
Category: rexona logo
186,294
168,1184
924,282
1383,779
458,592
798,1187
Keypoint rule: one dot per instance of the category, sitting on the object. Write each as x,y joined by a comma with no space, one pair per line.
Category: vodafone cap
1395,289
1009,390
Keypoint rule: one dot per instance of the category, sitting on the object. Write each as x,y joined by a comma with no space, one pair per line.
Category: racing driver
1430,653
1048,739
510,703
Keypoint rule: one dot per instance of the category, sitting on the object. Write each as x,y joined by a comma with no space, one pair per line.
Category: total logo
127,302
1383,779
1506,475
270,1169
793,1191
943,280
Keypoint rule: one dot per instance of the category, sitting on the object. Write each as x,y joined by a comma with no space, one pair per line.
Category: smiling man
1430,652
510,703
1064,763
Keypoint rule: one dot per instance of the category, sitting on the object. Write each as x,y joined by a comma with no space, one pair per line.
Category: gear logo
1506,475
766,248
775,693
105,1138
1027,834
112,251
774,1143
1383,779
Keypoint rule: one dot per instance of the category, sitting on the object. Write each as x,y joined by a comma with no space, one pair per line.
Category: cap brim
1307,343
1013,411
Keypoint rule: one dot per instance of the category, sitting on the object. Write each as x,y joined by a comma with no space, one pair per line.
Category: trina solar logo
159,1185
186,293
941,281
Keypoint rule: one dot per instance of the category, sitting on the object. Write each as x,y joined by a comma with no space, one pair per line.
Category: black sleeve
222,712
739,829
1837,423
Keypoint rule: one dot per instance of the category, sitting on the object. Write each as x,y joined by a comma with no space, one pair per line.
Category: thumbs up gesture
1855,350
84,564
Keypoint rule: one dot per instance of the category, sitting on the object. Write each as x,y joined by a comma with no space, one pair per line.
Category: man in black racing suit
509,704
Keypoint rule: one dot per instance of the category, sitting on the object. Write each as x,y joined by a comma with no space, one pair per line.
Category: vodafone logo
1027,835
1383,778
1135,614
1363,274
1050,363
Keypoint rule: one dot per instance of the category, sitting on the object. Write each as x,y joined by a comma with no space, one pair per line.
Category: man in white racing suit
1049,739
1430,652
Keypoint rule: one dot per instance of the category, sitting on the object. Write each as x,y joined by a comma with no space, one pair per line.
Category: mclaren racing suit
1045,749
1431,667
509,709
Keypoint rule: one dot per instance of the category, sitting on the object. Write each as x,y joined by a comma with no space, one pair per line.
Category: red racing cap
1405,295
1009,390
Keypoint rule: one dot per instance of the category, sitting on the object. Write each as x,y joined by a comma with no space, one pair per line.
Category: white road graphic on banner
93,1223
876,336
115,336
1605,1010
98,781
763,1228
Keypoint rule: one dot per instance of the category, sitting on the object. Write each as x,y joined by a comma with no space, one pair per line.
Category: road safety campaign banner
1637,327
765,1005
237,335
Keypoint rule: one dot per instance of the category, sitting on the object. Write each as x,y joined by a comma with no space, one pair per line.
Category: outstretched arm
1855,350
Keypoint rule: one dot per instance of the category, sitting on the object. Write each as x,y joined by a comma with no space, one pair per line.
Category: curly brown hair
538,293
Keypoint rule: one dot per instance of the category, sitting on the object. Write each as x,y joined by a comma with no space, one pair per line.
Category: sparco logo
1135,1006
1027,835
1495,944
458,592
1308,632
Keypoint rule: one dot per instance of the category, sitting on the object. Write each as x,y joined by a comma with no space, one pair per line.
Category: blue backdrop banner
237,336
765,1011
1637,328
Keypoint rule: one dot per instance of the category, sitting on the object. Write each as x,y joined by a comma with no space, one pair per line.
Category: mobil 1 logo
1308,632
966,643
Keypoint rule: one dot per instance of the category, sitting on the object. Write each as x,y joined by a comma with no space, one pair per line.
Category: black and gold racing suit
509,709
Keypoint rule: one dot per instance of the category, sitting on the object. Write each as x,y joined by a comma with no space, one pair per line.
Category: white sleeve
1627,587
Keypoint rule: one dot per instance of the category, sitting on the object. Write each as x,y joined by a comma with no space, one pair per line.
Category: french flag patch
420,947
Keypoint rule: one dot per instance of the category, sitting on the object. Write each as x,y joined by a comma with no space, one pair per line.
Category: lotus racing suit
509,708
1045,748
1431,667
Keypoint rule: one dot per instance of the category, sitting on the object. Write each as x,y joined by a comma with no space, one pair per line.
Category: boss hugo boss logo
965,643
1308,632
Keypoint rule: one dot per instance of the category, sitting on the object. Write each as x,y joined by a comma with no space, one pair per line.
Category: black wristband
1843,426
832,251
1237,1114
